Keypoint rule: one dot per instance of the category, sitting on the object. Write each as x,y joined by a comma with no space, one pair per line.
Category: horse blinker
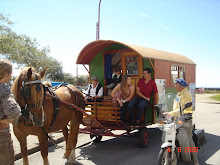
38,87
27,92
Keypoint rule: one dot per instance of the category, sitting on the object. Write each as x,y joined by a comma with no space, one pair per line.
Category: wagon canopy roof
93,48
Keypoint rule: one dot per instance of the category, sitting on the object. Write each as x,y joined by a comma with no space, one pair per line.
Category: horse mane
14,87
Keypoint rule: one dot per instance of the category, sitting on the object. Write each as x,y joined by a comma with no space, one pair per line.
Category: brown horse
39,107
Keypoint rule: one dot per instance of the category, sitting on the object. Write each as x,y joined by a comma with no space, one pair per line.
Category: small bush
211,91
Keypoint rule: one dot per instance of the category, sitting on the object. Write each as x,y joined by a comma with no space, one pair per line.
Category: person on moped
184,96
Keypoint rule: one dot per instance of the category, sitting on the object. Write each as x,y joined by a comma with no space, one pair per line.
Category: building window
132,65
178,72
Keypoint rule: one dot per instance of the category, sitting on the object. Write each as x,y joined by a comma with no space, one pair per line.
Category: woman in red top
144,89
123,93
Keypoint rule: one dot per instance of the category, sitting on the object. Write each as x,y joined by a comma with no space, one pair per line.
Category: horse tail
78,98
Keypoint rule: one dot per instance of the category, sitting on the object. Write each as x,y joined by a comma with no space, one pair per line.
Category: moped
175,143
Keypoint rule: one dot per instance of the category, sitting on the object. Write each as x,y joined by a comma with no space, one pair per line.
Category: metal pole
98,23
77,74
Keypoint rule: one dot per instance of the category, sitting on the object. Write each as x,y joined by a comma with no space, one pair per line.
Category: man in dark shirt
116,78
144,89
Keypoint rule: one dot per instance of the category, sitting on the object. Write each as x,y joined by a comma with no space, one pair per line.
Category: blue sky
187,27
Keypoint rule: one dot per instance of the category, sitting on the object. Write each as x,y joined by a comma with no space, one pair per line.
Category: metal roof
93,48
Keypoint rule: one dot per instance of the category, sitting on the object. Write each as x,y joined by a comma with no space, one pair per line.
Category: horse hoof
64,156
71,162
72,159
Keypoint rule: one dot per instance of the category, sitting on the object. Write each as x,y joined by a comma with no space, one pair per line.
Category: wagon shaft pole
82,111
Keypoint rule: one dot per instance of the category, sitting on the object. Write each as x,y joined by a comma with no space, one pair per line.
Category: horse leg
23,145
65,134
22,138
44,148
72,140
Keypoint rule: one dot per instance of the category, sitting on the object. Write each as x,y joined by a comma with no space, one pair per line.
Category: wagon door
133,65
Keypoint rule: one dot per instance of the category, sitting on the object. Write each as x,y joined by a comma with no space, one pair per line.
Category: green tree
68,78
82,80
25,51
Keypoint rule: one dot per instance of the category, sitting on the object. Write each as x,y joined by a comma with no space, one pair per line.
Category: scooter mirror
157,108
187,105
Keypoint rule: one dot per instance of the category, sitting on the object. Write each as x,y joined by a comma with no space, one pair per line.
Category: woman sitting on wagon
95,91
123,93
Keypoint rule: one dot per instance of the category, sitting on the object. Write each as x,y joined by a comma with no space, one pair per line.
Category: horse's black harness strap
56,111
55,103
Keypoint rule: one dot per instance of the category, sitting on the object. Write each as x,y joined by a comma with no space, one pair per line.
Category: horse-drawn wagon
43,112
103,117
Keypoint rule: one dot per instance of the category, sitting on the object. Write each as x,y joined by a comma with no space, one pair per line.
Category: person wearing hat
95,90
184,96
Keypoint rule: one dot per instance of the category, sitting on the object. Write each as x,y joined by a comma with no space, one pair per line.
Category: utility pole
98,23
77,74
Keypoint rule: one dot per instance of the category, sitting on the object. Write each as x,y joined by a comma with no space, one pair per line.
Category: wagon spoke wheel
143,137
96,138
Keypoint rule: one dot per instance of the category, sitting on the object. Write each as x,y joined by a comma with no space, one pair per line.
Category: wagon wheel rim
146,137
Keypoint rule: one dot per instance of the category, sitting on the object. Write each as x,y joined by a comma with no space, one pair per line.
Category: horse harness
26,92
27,114
56,101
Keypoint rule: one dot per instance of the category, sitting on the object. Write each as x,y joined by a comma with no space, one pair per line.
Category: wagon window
132,65
177,72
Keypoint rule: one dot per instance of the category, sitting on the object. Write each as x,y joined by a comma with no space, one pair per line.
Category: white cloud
142,14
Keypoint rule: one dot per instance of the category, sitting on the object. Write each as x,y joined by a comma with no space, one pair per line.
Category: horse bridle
26,92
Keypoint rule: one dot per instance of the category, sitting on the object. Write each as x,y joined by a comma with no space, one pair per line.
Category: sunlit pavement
124,150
